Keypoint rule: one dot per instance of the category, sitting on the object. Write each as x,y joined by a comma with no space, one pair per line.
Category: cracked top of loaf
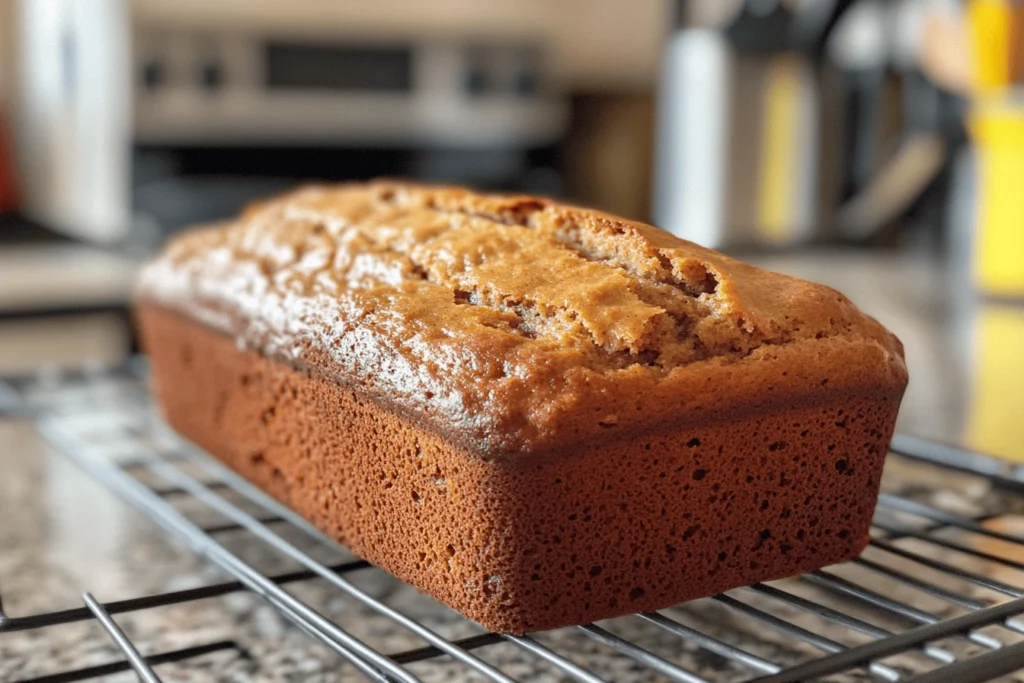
512,323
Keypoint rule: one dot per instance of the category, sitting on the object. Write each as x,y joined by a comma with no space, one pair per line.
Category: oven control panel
235,88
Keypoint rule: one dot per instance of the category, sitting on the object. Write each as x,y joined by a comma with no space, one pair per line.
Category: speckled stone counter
61,533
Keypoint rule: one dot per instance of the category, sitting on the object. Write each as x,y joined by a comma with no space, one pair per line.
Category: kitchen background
877,146
874,145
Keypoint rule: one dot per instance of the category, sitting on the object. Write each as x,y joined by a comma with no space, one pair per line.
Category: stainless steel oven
139,113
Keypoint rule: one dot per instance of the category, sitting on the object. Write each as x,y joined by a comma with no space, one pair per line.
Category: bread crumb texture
509,323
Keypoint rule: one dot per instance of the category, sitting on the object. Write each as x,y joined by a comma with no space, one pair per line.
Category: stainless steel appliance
138,113
740,120
788,121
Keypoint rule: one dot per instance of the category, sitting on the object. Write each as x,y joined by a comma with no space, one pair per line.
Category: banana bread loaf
540,415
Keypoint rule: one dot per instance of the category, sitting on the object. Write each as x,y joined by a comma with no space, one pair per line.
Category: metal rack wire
867,619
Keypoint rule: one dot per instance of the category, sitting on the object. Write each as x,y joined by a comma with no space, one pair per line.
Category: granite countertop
63,276
61,533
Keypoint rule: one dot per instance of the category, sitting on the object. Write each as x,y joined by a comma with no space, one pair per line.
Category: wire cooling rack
937,597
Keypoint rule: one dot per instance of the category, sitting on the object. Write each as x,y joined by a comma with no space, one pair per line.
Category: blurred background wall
732,122
736,123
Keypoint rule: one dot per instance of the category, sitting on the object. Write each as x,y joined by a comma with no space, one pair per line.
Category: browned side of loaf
523,544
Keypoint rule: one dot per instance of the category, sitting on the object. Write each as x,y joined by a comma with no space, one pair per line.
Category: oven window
307,66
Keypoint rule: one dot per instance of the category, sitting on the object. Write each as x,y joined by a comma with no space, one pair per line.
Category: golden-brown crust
516,324
523,544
